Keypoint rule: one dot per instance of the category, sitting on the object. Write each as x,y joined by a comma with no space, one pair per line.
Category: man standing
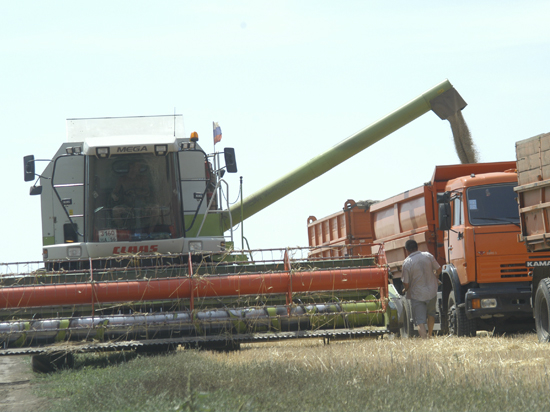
420,278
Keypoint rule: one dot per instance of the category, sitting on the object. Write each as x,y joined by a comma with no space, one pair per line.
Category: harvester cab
130,185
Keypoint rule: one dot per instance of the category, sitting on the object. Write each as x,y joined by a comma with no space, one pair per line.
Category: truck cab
486,279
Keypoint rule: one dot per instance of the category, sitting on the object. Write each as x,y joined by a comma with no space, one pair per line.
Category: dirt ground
15,387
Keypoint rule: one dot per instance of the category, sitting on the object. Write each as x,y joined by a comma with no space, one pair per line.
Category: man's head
411,246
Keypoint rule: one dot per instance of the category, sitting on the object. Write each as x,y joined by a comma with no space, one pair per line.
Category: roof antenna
174,121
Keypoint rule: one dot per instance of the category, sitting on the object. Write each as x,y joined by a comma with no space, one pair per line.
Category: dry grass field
442,374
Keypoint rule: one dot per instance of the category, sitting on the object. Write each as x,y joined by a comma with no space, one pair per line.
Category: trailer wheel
407,330
542,310
459,324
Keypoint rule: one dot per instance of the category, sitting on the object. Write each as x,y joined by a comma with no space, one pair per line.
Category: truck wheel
407,330
459,324
542,310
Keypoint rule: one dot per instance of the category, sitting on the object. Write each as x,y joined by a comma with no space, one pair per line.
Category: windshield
493,205
133,197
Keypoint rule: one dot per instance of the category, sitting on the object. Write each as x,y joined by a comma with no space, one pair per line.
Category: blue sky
285,80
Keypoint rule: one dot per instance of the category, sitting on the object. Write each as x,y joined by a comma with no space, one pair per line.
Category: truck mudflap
499,301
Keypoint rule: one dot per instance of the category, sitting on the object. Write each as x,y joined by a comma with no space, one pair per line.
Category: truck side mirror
444,216
28,165
443,197
230,160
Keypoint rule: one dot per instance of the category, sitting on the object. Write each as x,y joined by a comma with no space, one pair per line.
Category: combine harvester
135,255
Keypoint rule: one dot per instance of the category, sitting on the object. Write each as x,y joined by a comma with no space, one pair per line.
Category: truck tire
459,324
407,330
542,310
443,317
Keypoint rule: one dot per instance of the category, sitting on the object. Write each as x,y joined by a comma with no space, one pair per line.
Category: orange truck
533,190
467,217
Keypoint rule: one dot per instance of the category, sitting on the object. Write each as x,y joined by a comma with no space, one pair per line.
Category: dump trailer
466,216
533,168
344,233
138,247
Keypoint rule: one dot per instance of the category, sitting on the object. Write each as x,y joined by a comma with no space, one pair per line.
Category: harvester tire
459,324
47,363
407,330
156,349
542,310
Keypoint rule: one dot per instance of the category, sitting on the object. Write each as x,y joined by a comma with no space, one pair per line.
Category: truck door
193,182
68,205
456,239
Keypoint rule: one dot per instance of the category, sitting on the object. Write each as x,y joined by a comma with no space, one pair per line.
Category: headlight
195,246
161,149
488,303
74,252
73,150
102,152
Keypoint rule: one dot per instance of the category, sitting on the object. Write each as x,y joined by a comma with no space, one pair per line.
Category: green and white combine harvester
136,254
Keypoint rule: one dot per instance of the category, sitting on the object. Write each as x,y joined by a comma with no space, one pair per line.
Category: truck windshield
133,197
493,205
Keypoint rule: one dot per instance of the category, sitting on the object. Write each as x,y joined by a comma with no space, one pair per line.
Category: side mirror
230,160
28,165
444,216
35,190
444,197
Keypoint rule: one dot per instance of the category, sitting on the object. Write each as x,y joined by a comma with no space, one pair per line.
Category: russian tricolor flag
217,132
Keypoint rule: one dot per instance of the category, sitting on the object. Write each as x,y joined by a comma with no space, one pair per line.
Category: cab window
458,214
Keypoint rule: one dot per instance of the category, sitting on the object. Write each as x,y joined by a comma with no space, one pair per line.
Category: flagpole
215,158
213,137
214,149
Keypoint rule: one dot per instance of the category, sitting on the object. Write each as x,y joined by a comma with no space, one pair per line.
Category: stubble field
484,373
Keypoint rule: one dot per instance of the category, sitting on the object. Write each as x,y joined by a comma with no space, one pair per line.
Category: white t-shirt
418,273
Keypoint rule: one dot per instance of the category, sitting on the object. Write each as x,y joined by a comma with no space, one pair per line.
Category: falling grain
464,144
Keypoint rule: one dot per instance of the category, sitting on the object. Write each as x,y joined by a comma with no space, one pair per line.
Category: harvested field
441,374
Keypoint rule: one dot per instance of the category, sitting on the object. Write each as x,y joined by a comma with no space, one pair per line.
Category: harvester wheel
229,346
542,310
47,363
156,349
407,330
459,324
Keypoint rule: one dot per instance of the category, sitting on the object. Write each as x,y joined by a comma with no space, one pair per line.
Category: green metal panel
336,155
211,225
